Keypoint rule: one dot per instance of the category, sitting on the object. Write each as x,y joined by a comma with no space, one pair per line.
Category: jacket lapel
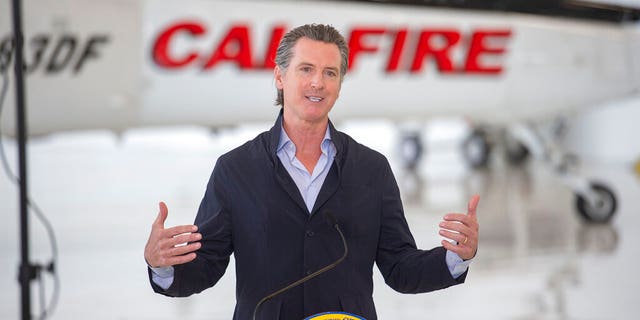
329,187
333,179
282,176
289,186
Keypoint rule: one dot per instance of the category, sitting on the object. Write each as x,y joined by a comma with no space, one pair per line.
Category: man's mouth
314,98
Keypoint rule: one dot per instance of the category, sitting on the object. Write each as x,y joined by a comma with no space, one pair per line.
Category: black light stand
27,271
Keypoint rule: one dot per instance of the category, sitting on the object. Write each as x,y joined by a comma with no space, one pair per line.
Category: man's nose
317,81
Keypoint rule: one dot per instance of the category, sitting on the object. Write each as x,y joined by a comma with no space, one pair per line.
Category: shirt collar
338,141
285,141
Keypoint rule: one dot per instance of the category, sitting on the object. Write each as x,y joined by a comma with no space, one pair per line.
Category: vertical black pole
25,273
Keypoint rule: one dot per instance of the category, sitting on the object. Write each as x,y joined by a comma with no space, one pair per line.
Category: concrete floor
537,259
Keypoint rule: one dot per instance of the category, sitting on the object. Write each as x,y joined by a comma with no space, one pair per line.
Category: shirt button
308,272
310,233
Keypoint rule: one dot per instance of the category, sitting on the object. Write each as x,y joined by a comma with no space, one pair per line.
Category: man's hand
166,247
462,228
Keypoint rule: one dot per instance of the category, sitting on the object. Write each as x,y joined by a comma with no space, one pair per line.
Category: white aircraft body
121,64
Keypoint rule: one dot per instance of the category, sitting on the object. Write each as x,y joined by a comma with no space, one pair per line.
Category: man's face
311,83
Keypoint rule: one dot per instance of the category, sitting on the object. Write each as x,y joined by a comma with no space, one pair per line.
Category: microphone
332,221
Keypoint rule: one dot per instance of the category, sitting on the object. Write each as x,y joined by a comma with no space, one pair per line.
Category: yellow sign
335,316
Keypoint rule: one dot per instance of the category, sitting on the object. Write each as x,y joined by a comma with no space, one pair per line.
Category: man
266,203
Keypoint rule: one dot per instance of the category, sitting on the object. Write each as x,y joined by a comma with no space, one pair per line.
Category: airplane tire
411,150
517,153
606,205
476,149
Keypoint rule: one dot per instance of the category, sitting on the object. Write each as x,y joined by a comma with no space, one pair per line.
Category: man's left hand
463,229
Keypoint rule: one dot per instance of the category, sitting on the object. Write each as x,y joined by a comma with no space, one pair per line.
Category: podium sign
334,316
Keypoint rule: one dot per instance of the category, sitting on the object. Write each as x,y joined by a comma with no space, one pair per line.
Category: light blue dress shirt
309,185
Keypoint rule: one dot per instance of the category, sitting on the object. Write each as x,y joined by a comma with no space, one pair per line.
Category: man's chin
314,117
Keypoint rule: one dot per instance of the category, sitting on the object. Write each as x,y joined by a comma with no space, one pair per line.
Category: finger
180,259
174,231
457,227
458,237
459,217
452,247
184,238
453,219
182,250
163,212
473,204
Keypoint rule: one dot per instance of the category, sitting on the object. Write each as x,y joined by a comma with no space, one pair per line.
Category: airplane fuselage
115,65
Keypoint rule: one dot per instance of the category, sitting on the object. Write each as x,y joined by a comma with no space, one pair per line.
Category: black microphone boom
331,219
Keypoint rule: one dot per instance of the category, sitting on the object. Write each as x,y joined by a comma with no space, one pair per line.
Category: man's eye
306,69
332,74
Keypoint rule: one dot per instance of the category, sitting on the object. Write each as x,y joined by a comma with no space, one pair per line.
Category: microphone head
331,219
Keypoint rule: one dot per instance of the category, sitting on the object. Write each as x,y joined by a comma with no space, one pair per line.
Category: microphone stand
27,270
309,277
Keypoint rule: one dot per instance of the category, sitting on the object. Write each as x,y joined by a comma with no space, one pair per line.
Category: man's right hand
166,247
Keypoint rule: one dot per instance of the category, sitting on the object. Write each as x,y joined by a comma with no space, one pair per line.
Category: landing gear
477,148
515,151
479,144
595,202
598,206
411,149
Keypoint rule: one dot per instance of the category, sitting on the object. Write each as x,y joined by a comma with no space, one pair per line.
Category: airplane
504,64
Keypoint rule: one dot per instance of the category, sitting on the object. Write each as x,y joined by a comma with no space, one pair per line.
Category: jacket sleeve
214,223
404,267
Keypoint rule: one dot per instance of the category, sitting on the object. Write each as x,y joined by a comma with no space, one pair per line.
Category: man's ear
277,75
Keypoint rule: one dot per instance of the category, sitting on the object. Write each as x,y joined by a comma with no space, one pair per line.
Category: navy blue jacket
253,209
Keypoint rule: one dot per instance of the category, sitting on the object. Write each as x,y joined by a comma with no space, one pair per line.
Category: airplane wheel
605,205
517,153
476,149
411,150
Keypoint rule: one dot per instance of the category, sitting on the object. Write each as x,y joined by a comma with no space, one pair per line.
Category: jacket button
310,233
308,272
